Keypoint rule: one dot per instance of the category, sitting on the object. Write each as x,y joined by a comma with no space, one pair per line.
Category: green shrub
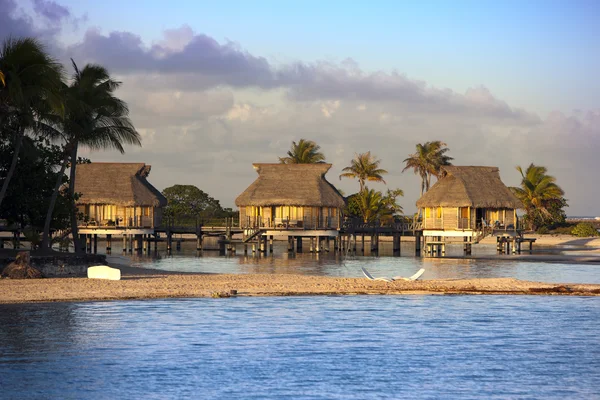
543,230
563,230
585,229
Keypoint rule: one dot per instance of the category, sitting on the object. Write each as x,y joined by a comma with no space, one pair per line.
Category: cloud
190,61
51,11
13,21
47,20
207,110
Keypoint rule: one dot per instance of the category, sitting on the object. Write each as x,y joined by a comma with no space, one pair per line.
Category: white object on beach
396,278
104,272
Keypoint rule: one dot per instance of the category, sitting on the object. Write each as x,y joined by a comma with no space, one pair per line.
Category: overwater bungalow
118,195
290,196
466,201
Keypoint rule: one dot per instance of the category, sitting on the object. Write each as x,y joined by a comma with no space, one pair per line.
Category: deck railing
290,223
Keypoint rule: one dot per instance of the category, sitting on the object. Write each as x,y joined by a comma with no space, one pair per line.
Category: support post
124,243
299,244
271,244
108,244
396,244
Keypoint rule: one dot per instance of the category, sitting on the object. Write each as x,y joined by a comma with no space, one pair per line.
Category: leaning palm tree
364,167
94,118
30,86
537,191
304,152
428,161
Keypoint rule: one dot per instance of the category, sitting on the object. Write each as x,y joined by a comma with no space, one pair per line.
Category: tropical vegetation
541,196
303,152
38,108
364,167
188,206
585,229
428,161
369,205
29,95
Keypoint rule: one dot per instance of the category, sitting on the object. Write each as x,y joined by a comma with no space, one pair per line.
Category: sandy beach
141,283
138,283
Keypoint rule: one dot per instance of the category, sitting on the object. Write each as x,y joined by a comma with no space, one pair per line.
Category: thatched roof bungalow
290,195
118,194
467,198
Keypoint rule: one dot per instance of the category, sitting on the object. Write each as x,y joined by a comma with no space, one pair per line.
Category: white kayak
104,272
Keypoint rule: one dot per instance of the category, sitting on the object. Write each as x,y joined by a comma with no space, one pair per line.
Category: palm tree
538,190
94,118
428,161
31,82
305,152
364,167
370,204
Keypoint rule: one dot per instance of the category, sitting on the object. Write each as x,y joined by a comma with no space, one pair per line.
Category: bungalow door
479,216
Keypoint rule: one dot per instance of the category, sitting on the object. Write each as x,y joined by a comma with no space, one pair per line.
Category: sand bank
140,284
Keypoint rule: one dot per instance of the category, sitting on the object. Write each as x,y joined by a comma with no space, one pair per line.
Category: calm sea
355,347
336,264
361,347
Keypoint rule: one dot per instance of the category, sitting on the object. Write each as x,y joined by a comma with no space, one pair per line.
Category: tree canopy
541,196
190,201
364,167
428,161
303,152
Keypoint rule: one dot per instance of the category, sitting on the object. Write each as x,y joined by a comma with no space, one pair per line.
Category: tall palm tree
94,118
364,167
537,191
428,161
30,87
304,152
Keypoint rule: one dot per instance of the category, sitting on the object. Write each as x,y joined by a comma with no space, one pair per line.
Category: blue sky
540,55
216,86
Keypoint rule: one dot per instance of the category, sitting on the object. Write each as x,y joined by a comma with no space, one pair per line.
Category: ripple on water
304,347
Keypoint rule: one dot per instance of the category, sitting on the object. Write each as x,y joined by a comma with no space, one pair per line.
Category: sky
216,86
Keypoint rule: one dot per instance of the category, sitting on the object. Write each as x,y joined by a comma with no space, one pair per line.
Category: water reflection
348,347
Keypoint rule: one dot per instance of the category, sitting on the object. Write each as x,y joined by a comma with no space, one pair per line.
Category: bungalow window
439,212
146,211
464,212
428,212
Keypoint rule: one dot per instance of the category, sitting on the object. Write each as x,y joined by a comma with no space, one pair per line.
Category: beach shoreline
139,283
145,283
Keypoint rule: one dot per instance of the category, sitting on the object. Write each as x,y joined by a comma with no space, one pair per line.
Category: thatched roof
122,184
291,185
470,187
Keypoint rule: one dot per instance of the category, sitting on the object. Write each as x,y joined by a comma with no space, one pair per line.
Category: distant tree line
190,206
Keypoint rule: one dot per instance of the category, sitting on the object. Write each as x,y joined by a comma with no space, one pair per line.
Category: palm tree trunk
13,164
59,178
73,208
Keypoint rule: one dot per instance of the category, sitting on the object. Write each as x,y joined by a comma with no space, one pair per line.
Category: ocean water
355,347
336,264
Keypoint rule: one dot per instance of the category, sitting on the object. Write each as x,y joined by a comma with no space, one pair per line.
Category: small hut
118,194
290,196
468,199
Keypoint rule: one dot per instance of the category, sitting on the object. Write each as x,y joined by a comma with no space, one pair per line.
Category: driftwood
21,268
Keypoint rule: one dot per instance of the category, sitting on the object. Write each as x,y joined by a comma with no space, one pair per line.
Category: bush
585,229
543,230
563,230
